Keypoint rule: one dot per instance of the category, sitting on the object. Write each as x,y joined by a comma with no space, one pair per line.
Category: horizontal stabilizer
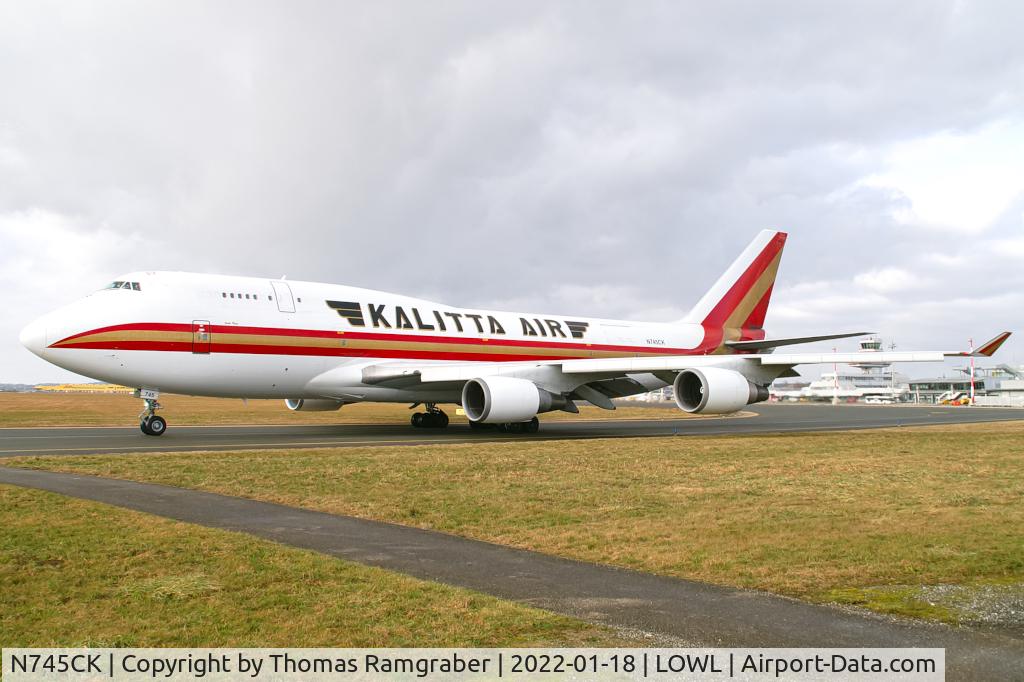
765,344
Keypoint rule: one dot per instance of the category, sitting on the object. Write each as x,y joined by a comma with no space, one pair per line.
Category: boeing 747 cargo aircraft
320,346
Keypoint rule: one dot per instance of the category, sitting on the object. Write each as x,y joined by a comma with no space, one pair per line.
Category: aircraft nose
33,337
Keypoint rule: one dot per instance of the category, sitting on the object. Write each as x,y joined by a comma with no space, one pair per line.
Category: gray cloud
604,159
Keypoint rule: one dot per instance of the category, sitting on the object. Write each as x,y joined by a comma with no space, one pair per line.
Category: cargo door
283,295
201,337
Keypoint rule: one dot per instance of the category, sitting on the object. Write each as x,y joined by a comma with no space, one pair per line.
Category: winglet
989,348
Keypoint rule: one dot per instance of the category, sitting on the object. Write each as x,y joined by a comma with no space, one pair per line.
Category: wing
675,363
598,381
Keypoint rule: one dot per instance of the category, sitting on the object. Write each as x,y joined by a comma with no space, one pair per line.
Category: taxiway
674,611
765,418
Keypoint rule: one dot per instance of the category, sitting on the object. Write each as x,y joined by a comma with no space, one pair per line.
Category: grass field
100,409
868,518
79,573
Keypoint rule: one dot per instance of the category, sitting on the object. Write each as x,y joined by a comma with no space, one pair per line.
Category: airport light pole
892,377
835,380
970,344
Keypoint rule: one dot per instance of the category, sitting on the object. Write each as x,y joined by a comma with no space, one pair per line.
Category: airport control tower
877,379
872,344
872,382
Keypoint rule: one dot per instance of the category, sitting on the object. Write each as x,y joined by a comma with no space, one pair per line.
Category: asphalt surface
768,418
678,611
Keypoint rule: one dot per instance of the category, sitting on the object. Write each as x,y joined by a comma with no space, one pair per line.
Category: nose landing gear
149,423
433,418
153,426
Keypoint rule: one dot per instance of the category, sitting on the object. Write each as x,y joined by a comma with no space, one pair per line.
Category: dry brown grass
804,515
98,409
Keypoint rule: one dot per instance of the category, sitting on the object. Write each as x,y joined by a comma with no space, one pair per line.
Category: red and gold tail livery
735,307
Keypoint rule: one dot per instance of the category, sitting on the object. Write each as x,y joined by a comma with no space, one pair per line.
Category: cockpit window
133,286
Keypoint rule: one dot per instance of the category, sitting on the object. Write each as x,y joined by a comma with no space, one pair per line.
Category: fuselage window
247,296
224,294
232,295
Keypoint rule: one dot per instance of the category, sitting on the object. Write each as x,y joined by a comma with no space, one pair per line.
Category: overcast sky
605,159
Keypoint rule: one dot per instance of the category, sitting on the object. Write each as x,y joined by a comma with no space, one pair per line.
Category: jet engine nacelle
315,405
713,390
502,400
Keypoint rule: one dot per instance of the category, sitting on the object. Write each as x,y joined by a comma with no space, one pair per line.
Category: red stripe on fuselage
135,326
249,349
284,349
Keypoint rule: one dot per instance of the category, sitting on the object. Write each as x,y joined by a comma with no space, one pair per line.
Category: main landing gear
433,418
149,423
531,426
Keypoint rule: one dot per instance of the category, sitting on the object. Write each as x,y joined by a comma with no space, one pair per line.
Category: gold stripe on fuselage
129,335
257,340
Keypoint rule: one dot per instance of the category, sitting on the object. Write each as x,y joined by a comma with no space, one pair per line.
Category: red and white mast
970,343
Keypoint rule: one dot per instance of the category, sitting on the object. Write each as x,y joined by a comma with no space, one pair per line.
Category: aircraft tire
531,426
153,426
417,420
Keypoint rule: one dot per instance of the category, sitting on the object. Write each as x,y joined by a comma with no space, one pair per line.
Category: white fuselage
228,336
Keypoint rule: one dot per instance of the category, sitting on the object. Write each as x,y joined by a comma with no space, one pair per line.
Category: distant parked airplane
320,346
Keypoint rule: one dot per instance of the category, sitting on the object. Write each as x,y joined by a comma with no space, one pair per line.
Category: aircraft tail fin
739,299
